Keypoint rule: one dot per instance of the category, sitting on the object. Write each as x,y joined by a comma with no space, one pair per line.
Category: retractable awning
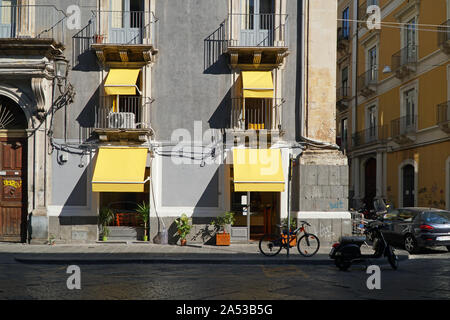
121,82
258,170
120,170
257,84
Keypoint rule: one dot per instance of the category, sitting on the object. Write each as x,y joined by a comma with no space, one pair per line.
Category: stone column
380,167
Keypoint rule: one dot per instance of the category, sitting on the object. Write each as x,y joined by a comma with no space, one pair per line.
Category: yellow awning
258,170
120,170
257,84
121,82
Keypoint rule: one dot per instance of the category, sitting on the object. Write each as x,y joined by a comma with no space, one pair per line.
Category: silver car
417,228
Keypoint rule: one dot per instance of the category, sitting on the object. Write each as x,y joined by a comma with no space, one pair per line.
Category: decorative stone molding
40,87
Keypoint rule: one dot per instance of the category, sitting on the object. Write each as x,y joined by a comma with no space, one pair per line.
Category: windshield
441,217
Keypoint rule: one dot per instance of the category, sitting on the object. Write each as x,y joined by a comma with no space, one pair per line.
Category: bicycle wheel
308,245
270,245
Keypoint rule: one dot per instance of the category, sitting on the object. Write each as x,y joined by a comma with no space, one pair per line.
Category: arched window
11,116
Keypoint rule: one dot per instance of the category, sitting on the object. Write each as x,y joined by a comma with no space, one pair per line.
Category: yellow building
393,92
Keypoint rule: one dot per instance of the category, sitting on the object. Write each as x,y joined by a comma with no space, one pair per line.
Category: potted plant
184,228
143,211
223,225
98,38
105,218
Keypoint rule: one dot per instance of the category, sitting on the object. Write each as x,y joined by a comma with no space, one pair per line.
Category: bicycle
308,244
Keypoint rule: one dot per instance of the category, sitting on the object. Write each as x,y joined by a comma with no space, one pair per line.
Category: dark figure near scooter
348,250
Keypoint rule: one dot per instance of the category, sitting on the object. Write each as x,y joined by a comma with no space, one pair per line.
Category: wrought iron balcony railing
368,78
257,30
123,112
122,27
444,35
256,114
443,113
343,34
375,134
404,126
343,93
32,21
405,57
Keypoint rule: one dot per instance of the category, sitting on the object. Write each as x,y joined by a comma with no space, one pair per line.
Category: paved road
425,276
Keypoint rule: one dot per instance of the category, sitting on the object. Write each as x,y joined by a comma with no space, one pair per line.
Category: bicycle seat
355,240
304,222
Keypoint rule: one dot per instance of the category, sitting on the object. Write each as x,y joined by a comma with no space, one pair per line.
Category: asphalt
147,253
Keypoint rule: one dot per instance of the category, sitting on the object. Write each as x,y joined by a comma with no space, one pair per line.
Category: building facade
188,107
393,84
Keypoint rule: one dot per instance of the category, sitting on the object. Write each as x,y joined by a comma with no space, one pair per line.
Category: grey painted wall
189,185
183,90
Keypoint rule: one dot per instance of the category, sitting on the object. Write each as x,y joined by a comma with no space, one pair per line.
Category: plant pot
145,238
183,242
98,38
223,239
104,238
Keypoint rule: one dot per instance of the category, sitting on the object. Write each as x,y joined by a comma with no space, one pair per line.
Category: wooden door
408,186
13,202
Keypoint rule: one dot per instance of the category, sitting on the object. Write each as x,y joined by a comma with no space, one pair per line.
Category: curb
167,260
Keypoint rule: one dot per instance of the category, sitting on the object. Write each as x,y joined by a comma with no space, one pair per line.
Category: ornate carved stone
123,55
234,57
257,57
40,87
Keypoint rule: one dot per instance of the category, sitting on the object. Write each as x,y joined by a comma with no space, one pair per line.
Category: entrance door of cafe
262,214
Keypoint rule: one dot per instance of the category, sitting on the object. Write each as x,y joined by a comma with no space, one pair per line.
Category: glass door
409,110
257,23
7,18
410,42
126,21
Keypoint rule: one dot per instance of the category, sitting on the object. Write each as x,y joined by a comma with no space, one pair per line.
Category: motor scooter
348,249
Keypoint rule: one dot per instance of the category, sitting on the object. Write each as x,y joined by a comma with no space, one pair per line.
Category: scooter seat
355,240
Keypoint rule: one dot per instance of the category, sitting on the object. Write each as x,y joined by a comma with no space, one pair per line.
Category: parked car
417,228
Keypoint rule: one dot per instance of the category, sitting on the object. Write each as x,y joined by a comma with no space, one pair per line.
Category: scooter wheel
342,264
393,259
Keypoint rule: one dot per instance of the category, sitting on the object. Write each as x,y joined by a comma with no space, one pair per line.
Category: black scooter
348,250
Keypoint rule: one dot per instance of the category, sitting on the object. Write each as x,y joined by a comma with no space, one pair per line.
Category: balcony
31,29
343,95
123,118
403,130
404,62
256,39
367,82
122,36
444,37
255,114
372,136
443,116
343,40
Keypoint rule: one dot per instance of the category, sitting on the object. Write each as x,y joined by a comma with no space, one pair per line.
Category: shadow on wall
202,231
87,116
221,118
78,198
214,46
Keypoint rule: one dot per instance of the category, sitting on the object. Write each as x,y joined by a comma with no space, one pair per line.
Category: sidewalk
117,253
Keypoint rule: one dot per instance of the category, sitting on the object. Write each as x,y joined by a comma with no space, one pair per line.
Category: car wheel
411,244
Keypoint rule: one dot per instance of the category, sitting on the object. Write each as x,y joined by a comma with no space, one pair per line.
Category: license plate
443,238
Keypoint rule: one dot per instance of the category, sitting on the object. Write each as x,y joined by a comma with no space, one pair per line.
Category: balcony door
257,23
7,18
126,21
372,65
410,42
410,120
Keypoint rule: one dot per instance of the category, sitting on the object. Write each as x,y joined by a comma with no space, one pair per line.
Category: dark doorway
370,186
408,186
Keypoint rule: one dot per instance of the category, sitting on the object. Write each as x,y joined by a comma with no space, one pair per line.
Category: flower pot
104,238
223,239
145,238
183,242
98,38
